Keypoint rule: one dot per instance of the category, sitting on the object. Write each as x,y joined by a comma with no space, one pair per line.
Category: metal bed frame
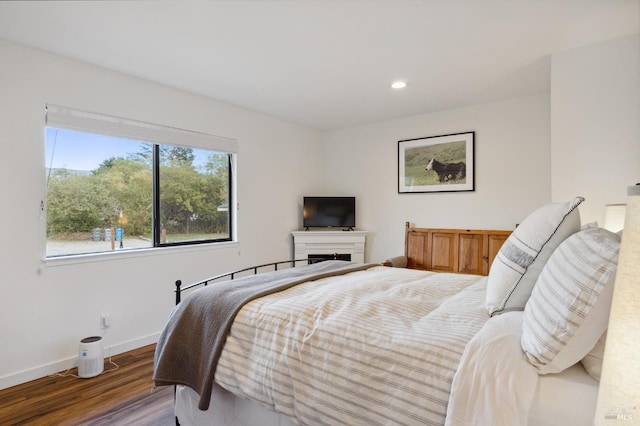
232,275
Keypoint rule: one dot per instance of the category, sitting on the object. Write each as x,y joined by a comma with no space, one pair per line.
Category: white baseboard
44,370
132,344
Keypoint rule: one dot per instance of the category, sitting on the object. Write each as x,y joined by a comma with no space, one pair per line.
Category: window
117,184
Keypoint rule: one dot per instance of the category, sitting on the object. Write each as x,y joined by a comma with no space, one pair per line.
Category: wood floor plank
122,397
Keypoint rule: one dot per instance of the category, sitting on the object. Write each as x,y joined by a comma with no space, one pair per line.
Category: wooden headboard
466,251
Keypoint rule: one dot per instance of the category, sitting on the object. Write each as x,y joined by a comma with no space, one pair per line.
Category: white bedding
225,409
282,380
358,349
494,383
567,398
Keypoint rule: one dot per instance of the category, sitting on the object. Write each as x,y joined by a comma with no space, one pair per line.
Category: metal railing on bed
232,275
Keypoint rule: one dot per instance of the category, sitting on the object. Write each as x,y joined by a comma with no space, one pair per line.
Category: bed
341,343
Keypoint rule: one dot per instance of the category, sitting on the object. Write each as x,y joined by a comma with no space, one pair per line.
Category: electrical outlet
106,320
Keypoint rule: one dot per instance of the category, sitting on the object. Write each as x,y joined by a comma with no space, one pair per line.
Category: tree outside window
100,194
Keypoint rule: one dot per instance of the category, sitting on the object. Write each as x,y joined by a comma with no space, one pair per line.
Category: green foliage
175,156
189,197
169,155
75,203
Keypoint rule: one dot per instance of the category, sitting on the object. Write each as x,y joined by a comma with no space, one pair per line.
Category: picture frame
442,163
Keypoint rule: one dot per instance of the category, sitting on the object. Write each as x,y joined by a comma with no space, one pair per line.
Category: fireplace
315,258
323,245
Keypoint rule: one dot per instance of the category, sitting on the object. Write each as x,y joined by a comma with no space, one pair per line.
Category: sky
84,151
67,149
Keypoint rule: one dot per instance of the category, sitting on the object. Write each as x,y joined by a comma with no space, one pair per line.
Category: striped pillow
521,258
569,307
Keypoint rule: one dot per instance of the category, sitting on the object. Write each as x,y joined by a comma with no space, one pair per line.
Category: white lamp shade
619,394
614,215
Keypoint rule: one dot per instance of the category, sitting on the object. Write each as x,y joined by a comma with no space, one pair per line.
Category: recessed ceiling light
398,84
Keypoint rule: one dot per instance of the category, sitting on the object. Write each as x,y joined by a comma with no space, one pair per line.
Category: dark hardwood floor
120,397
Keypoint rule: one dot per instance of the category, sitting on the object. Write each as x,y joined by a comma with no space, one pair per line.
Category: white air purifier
90,357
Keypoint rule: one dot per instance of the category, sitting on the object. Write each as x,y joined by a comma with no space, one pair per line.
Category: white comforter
495,384
385,351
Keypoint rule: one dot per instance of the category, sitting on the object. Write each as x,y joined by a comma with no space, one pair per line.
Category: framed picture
436,164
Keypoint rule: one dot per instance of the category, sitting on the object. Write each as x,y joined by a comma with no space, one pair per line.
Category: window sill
129,254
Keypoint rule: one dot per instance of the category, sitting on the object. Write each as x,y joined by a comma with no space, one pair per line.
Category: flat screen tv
329,212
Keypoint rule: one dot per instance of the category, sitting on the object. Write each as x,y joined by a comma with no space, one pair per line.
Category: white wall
47,309
595,124
512,151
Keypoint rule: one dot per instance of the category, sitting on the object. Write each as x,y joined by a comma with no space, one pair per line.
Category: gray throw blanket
190,345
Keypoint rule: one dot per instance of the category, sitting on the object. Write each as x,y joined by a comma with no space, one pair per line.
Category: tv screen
329,212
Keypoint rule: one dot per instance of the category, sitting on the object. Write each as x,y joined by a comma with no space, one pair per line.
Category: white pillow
521,258
569,307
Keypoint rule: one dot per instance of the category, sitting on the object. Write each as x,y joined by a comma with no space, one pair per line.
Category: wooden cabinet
463,251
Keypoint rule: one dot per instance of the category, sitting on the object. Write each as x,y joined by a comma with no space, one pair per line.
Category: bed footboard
252,270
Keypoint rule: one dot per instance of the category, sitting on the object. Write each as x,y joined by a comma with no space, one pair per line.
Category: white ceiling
327,64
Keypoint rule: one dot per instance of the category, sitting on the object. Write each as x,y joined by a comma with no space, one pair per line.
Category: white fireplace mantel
329,242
